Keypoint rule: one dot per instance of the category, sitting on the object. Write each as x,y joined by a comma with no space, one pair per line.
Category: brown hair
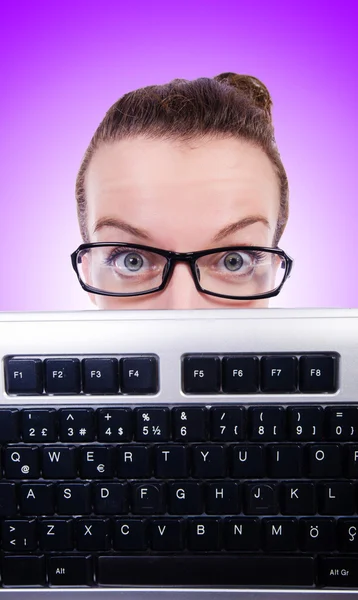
228,105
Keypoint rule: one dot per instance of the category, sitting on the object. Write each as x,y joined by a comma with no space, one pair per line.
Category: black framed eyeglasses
236,272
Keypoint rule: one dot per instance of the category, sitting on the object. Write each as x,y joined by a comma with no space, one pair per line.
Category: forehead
142,180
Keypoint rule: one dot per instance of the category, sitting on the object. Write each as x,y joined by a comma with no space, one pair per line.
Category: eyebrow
227,230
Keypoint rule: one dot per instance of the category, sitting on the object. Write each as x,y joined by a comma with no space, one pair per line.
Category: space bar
206,570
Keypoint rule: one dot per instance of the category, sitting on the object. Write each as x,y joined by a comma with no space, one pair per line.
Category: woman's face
181,197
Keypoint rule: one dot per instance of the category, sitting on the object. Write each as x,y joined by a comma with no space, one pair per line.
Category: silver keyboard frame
170,335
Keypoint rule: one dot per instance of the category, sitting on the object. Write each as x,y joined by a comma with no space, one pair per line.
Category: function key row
181,424
243,374
104,375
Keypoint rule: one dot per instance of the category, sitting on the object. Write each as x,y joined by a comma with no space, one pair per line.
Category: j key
279,374
130,534
324,461
203,534
92,534
76,425
242,534
201,374
336,498
167,534
248,461
22,463
70,570
260,498
139,375
222,498
31,568
305,423
19,535
96,462
190,424
62,376
152,425
342,423
37,499
284,461
9,426
74,499
59,462
347,533
110,498
8,502
240,374
209,461
267,424
100,375
171,461
56,534
317,534
298,498
24,376
133,461
227,424
115,424
148,498
185,498
280,535
38,425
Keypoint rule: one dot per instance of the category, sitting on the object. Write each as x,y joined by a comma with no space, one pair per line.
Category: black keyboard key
56,534
280,535
318,373
222,498
59,462
130,535
171,461
96,462
92,534
167,535
139,375
317,535
305,423
219,570
115,424
152,425
242,534
76,425
22,462
38,425
19,535
260,498
336,498
341,424
133,461
350,461
100,375
209,461
8,503
267,424
37,499
248,461
9,425
19,571
201,374
148,498
324,461
240,374
284,461
24,376
279,374
110,498
227,424
73,498
62,376
190,424
298,498
338,572
70,570
347,534
203,534
185,498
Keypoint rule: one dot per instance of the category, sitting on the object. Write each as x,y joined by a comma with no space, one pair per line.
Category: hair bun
251,87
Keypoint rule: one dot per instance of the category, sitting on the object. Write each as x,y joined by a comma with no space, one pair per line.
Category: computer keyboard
179,454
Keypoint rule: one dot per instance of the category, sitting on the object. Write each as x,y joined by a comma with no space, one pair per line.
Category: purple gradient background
64,63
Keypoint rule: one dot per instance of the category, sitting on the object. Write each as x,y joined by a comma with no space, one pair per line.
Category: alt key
70,570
